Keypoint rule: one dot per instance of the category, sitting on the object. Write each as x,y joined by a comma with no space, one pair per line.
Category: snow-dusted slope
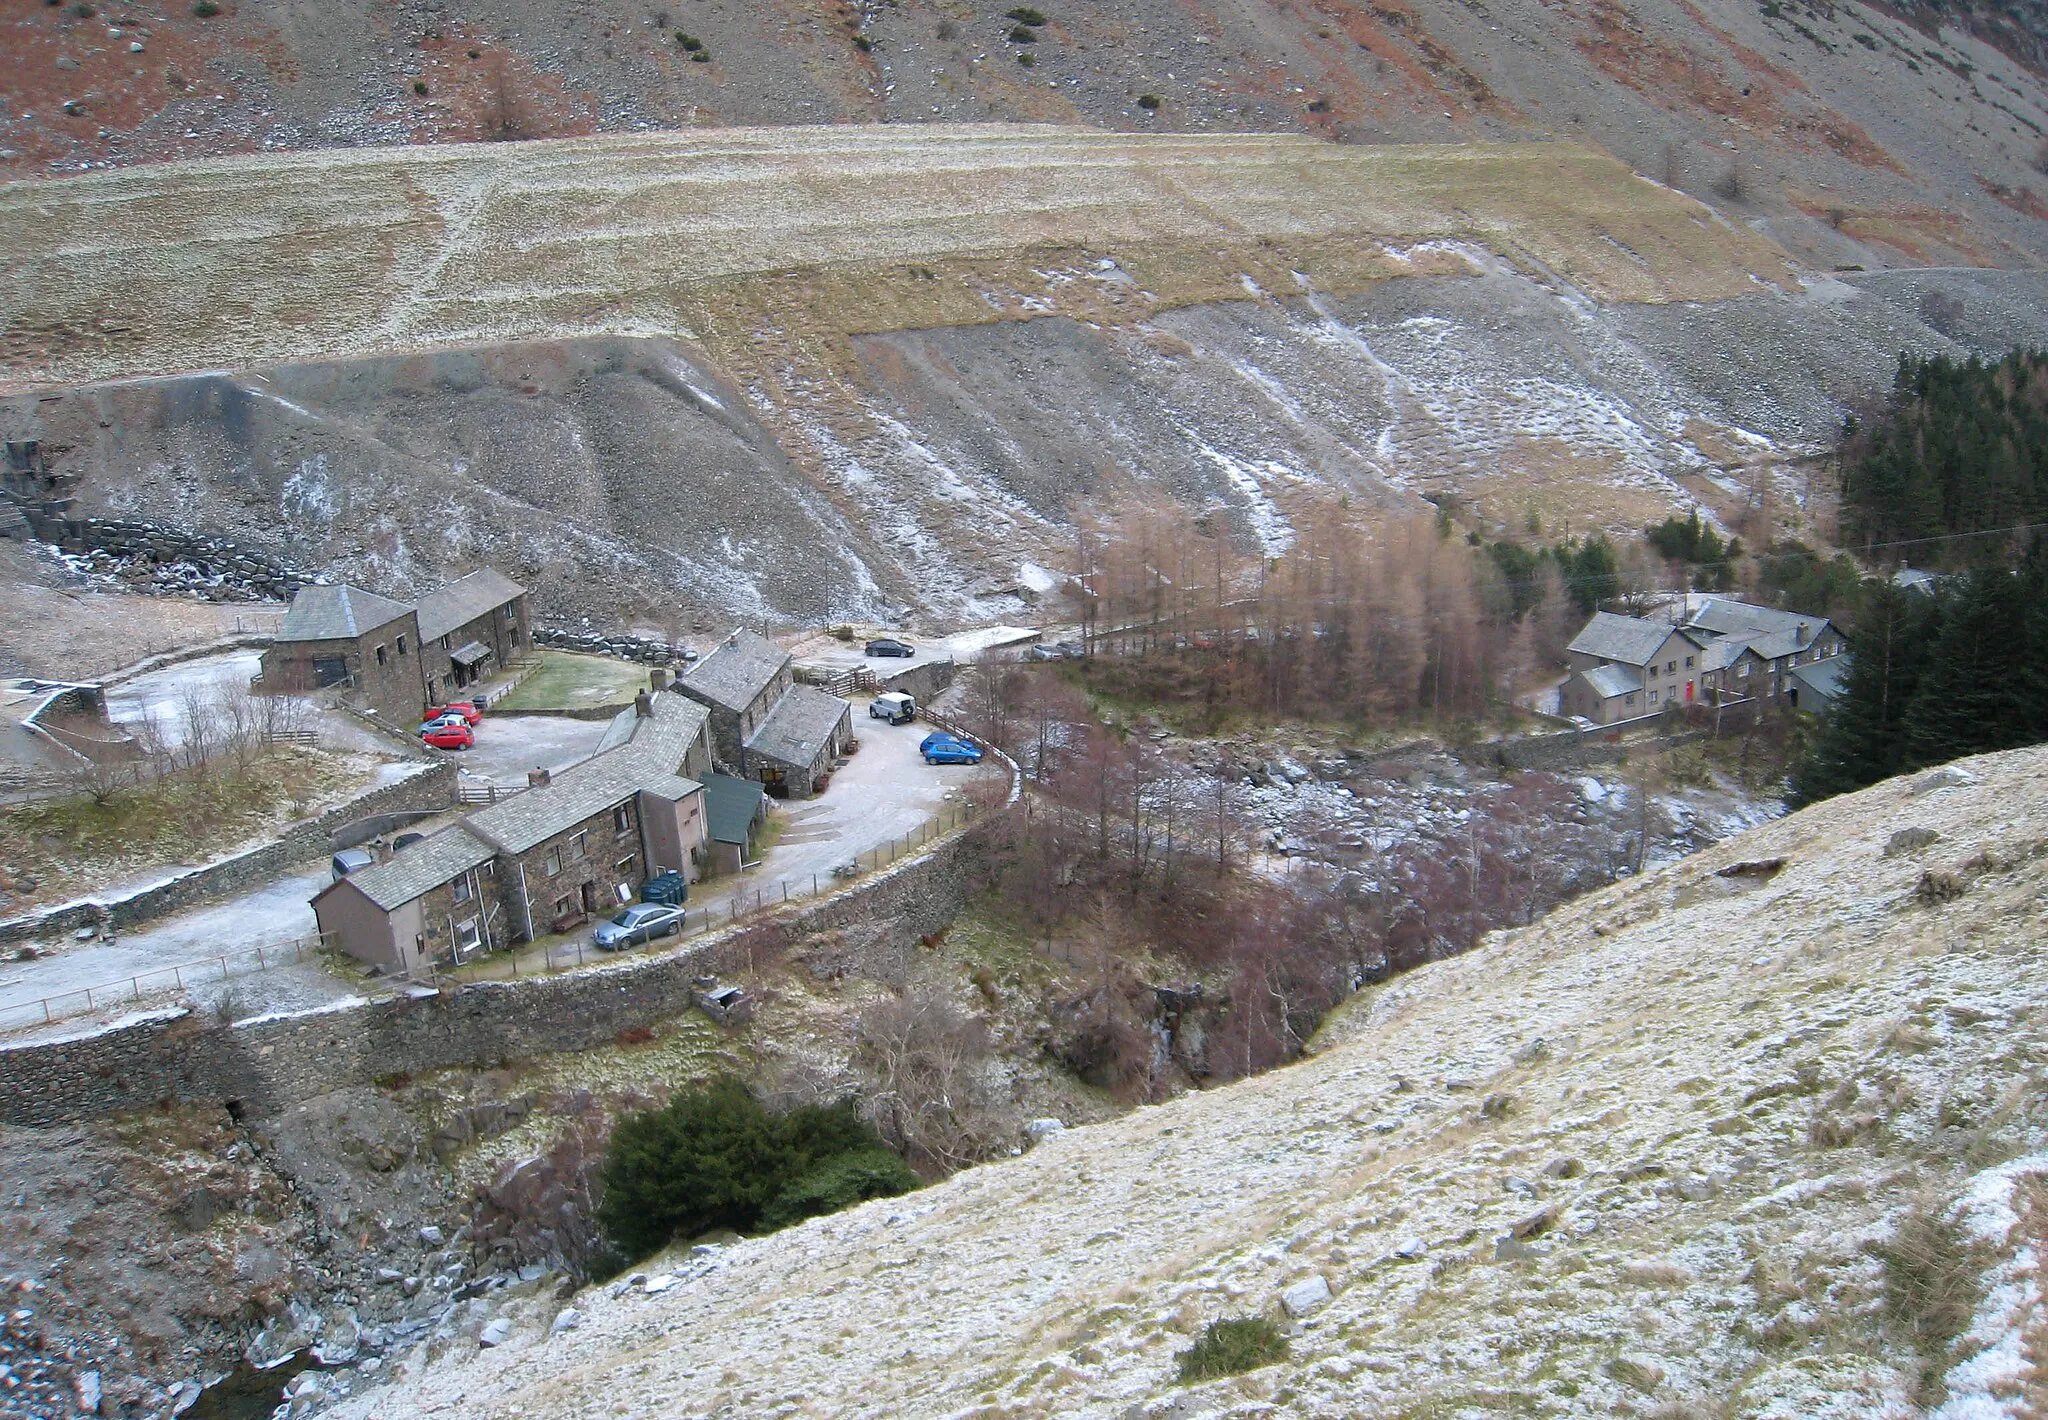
1649,1153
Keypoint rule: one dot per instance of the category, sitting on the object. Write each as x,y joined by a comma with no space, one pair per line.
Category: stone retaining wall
153,558
625,648
268,1063
314,838
1577,749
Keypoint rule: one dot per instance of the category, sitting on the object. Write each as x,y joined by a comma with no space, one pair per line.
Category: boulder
1306,1297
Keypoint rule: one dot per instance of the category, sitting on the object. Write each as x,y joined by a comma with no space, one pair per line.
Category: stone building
763,725
394,659
572,846
1714,649
469,629
345,636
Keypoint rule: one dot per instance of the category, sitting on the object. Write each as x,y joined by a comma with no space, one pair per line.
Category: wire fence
734,901
140,986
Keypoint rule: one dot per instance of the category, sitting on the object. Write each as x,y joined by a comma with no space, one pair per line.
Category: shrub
1023,34
863,43
700,56
1933,1278
206,9
1027,59
1231,1345
715,1157
840,1182
689,42
1148,101
419,86
1024,15
84,12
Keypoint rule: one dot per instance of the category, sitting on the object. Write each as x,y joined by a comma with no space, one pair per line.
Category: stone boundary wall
267,1063
221,568
313,838
625,648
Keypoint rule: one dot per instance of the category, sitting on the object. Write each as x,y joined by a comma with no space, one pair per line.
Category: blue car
951,752
936,737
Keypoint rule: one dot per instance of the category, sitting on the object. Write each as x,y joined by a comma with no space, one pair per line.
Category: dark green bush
1023,34
206,9
700,56
1148,101
863,43
419,86
1231,1345
689,42
1027,59
1024,15
715,1157
837,1183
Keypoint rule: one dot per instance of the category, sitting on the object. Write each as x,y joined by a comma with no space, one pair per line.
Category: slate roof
464,600
1611,680
421,868
730,806
1825,678
337,613
1725,616
648,760
798,727
1628,639
1724,652
735,674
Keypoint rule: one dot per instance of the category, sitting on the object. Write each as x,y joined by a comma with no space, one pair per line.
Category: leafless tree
924,1065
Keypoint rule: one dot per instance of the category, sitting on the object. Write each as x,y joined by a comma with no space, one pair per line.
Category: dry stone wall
264,1064
433,788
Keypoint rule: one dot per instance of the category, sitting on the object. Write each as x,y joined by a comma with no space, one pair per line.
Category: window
1688,662
624,867
553,864
380,655
401,645
1742,668
1653,697
579,845
444,641
562,906
1628,700
1671,668
1653,670
468,937
465,888
622,819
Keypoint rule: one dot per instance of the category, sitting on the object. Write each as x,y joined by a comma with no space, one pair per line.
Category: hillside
868,373
1879,134
1757,1134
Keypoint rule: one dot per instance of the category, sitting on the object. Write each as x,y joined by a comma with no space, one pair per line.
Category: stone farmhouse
1714,650
469,629
50,729
763,725
394,659
573,845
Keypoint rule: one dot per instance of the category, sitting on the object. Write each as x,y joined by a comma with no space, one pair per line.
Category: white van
893,706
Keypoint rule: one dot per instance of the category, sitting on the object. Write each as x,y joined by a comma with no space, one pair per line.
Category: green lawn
566,680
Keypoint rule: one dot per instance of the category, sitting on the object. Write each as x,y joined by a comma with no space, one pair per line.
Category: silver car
642,922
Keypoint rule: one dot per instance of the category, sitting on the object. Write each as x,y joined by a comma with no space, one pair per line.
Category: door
590,899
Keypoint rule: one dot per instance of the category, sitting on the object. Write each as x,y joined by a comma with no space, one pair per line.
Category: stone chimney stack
643,705
538,778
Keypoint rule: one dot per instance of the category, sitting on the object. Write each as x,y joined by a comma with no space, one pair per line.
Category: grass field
568,681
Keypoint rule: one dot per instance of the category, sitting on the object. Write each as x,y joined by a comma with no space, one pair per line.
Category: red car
466,709
450,737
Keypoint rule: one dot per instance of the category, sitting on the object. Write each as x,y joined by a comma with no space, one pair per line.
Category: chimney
643,705
657,678
538,778
1802,633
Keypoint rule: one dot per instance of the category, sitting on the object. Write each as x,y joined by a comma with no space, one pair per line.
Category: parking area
166,700
885,793
507,746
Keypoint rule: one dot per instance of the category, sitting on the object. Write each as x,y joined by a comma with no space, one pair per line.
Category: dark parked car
1056,651
642,922
406,840
937,737
890,646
